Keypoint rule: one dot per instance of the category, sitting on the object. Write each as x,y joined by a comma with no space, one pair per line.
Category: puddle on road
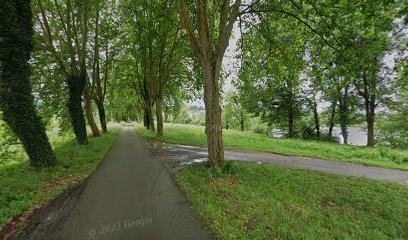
197,160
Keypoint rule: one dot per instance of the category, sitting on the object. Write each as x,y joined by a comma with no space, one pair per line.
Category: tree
16,99
234,114
69,57
270,75
209,42
105,47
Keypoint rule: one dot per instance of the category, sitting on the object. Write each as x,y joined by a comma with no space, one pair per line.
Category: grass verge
252,201
22,188
195,135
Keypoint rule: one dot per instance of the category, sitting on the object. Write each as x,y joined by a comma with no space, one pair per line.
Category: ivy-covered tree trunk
159,115
146,120
76,85
16,100
89,113
102,117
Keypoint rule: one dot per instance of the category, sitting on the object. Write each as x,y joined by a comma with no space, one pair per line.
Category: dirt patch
225,182
34,224
251,224
73,180
173,159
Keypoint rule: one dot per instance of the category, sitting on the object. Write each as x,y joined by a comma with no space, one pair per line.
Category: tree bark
370,130
242,121
344,114
159,115
89,113
370,118
290,122
332,118
151,119
102,117
16,99
146,120
316,118
213,126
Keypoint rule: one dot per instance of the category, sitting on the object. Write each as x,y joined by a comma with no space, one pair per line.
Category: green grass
194,135
23,188
252,201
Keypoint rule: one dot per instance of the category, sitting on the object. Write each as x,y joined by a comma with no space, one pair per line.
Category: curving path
131,196
337,167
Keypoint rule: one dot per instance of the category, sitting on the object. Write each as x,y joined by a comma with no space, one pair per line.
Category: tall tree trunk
316,118
242,121
213,126
344,131
159,115
151,119
16,100
210,54
370,118
290,123
146,120
344,114
332,118
102,117
370,130
76,85
89,113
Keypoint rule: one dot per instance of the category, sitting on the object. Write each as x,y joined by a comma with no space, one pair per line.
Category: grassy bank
22,188
194,135
251,201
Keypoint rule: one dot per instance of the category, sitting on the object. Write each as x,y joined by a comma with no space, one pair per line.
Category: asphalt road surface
337,167
131,196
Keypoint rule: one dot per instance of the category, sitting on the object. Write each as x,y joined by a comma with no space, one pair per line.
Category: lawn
253,201
195,135
22,188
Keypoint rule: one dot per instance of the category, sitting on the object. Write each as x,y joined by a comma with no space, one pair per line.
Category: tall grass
22,187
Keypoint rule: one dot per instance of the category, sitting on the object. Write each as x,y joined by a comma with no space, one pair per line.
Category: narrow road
131,196
337,167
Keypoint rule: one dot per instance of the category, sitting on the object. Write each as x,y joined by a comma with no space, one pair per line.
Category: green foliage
393,127
270,202
273,59
22,187
9,144
234,114
155,61
194,135
309,133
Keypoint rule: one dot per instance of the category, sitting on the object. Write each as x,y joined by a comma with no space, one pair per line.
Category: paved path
338,167
131,196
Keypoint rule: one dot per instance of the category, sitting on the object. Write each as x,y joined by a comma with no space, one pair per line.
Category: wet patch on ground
176,157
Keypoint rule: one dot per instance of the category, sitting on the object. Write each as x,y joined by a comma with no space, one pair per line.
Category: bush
308,133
